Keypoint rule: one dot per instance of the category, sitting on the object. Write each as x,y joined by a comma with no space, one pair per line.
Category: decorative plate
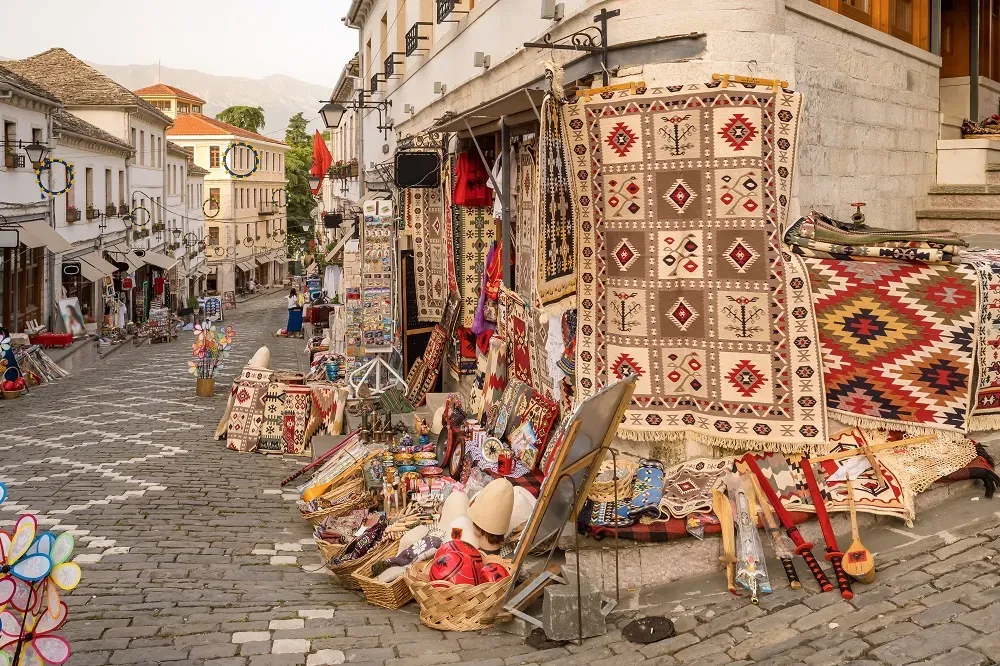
491,449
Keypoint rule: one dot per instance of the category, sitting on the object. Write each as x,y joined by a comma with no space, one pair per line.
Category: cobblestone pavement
193,555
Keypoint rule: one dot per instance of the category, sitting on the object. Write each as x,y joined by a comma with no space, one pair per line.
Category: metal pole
974,60
936,27
504,194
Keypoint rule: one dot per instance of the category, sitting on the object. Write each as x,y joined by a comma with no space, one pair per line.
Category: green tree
298,161
250,118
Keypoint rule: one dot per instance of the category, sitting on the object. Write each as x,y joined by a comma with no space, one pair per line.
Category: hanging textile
447,185
683,288
470,183
295,417
986,408
376,280
425,212
272,427
526,225
557,229
474,231
247,415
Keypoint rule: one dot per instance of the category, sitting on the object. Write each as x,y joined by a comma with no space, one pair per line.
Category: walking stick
802,547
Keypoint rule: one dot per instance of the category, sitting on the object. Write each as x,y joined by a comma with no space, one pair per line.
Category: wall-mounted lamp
408,108
440,88
480,59
552,10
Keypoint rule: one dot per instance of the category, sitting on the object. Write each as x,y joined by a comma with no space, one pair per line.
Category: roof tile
7,77
162,89
67,122
192,124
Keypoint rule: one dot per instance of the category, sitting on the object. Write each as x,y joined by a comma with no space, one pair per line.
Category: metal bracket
592,39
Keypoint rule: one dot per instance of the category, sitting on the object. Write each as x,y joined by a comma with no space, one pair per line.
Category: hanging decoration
47,165
210,348
241,144
136,217
215,210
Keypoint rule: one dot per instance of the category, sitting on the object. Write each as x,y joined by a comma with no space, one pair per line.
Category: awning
94,261
90,272
524,101
38,233
261,259
245,265
155,259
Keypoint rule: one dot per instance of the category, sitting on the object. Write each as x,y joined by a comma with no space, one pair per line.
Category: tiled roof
65,121
195,170
345,85
77,83
193,124
163,90
178,150
14,80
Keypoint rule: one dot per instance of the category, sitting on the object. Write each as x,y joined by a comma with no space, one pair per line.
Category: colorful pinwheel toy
210,347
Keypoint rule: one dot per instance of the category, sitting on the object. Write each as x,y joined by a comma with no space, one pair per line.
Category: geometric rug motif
687,488
424,210
526,229
247,415
898,342
295,417
272,436
376,281
679,196
986,410
557,230
475,229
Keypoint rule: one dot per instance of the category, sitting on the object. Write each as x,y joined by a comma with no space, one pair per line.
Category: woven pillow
538,410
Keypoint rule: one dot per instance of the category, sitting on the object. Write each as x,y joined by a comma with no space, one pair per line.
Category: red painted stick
833,554
802,547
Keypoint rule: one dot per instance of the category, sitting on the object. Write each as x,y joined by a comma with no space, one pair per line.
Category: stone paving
192,554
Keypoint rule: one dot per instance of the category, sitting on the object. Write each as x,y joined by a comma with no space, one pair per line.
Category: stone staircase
967,196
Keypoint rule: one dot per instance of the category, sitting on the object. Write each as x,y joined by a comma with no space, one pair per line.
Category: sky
250,38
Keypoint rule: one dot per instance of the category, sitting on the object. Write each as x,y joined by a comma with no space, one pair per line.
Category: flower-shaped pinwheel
4,345
64,575
21,563
39,646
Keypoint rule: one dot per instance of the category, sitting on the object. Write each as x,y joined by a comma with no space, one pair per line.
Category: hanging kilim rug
295,417
424,211
679,194
475,229
247,414
526,227
556,229
898,342
449,224
272,427
986,410
376,281
892,498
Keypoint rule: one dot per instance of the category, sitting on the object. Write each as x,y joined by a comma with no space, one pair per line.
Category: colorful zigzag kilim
679,194
898,342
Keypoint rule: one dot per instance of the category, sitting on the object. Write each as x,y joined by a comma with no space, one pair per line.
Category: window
213,201
901,19
196,108
183,188
89,175
133,137
183,107
142,148
908,20
108,196
213,235
162,104
159,151
213,157
121,187
36,134
9,143
158,209
368,59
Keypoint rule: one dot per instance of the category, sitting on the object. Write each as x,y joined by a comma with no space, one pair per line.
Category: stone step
975,197
993,173
964,221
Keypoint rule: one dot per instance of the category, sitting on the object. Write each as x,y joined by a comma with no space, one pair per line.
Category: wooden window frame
880,18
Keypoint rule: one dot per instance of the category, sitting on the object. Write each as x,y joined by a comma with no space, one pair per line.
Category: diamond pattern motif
621,139
741,255
679,195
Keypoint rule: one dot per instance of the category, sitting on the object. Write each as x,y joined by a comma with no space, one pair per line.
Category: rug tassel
985,422
984,454
733,443
876,423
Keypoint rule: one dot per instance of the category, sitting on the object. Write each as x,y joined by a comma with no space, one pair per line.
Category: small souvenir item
390,475
411,480
462,529
406,441
456,461
505,462
455,505
491,449
493,572
374,476
404,458
457,562
425,455
407,469
491,512
431,472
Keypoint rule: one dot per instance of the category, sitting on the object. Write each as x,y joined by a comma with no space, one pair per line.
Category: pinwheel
4,345
34,640
22,565
64,575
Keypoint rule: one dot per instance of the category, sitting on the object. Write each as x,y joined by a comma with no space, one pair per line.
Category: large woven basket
328,550
604,491
345,572
456,607
340,501
386,595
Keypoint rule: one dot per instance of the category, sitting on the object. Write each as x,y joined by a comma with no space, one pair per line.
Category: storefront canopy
94,267
90,272
245,265
38,233
153,259
262,259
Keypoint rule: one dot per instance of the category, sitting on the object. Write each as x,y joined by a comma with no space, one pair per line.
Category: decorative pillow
547,456
499,425
538,410
647,489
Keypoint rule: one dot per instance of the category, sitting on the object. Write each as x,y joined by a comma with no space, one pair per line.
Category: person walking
294,326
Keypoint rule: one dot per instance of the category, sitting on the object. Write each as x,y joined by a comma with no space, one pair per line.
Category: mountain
281,96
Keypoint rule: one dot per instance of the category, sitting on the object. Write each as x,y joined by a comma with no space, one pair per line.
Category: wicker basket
456,607
328,550
360,500
604,491
345,572
11,395
386,595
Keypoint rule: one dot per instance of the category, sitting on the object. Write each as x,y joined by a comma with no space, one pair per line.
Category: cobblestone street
192,554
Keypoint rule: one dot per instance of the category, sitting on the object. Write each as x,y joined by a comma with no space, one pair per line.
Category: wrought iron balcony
391,64
446,8
374,88
413,37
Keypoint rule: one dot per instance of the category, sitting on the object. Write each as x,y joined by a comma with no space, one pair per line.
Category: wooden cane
724,512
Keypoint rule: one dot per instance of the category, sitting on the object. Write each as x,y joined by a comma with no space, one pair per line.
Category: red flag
322,159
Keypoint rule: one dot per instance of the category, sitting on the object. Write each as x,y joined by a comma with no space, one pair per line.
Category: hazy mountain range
281,96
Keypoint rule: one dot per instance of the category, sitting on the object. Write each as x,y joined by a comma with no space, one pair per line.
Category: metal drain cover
648,629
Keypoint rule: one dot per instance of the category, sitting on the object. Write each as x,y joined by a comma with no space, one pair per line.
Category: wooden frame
879,17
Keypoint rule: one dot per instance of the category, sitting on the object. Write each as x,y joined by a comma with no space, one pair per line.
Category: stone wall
870,120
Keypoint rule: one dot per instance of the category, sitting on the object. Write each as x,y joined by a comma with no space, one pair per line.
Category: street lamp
332,114
127,221
314,182
36,152
176,232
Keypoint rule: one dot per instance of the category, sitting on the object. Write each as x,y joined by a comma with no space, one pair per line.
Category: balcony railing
374,87
391,64
413,38
267,208
446,8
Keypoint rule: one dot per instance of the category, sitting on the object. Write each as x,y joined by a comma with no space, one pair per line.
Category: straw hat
492,509
437,423
524,505
261,359
461,529
455,505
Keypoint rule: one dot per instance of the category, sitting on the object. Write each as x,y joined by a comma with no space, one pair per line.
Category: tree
298,161
250,118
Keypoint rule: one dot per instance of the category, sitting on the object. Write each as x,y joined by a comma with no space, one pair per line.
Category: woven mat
526,229
474,230
425,212
295,418
680,197
687,488
986,409
897,341
247,414
272,436
557,228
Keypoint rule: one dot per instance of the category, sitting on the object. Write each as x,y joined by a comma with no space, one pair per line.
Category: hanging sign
8,238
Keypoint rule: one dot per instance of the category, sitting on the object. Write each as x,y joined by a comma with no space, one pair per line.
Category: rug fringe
733,443
984,422
875,423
